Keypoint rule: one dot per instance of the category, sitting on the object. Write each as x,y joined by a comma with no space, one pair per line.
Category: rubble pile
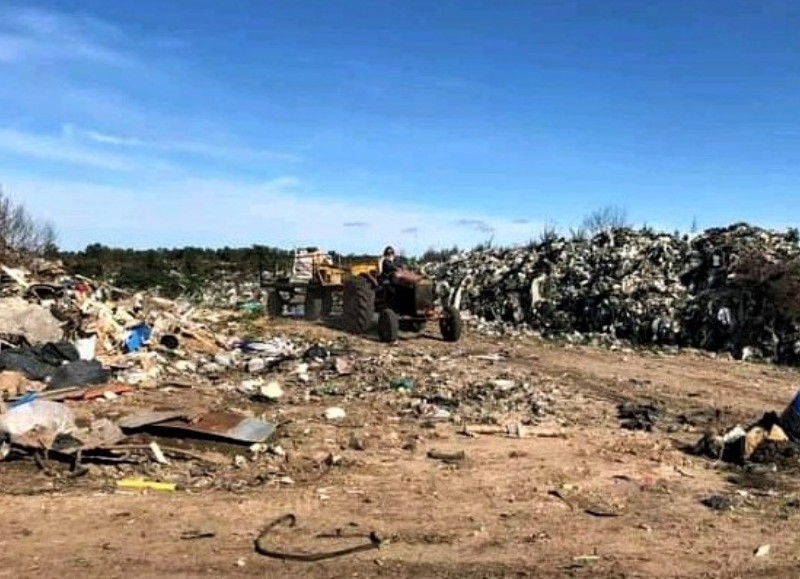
65,338
640,286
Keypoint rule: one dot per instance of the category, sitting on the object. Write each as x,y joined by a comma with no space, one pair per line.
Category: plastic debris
144,484
334,413
54,417
271,391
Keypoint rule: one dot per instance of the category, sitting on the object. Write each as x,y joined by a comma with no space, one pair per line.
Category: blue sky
353,124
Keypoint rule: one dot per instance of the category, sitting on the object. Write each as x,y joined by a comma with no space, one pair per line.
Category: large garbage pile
719,291
71,348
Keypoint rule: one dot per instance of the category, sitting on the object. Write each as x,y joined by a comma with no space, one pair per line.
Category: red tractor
405,300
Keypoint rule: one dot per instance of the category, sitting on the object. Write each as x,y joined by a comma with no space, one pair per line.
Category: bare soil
577,496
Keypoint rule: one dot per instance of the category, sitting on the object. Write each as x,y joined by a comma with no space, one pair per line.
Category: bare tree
21,233
604,219
578,234
549,233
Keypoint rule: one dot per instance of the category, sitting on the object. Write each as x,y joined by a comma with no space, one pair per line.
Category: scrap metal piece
221,424
375,542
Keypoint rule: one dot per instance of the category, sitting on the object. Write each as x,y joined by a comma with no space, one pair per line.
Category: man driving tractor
390,270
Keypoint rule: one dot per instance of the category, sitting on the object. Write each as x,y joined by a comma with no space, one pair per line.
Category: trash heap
772,440
637,286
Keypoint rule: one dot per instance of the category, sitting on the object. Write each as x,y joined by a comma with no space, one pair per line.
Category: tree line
176,271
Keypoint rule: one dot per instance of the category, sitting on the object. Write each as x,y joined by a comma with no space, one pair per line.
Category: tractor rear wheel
313,306
327,301
388,326
274,304
358,305
450,324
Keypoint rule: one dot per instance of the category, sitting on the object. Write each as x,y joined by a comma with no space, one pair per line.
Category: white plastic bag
53,416
86,347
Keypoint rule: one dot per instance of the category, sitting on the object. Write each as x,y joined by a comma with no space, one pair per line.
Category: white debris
334,413
271,391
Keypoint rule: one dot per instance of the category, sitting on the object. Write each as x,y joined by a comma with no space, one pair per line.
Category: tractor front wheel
450,324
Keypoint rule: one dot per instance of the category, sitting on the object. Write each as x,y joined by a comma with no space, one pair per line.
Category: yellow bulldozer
315,281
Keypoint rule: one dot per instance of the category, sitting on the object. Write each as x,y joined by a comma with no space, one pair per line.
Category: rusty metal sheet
224,425
147,419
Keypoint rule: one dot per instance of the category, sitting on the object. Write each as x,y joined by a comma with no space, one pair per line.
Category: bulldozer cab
307,261
317,267
368,268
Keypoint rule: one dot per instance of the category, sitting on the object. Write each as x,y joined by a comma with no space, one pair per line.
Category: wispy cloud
32,34
354,224
49,148
478,224
230,152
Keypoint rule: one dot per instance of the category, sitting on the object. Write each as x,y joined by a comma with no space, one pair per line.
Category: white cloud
31,34
113,153
110,139
229,152
59,149
279,212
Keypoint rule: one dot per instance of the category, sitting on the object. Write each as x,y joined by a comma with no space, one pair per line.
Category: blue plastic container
790,419
137,337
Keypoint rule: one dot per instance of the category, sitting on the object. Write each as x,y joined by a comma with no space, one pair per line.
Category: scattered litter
144,484
357,443
271,391
402,384
375,542
256,365
158,454
763,551
316,352
334,413
53,417
635,416
196,535
718,503
456,456
35,323
219,425
136,338
343,367
602,511
764,442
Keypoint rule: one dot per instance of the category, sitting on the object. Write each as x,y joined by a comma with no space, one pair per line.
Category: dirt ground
576,496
